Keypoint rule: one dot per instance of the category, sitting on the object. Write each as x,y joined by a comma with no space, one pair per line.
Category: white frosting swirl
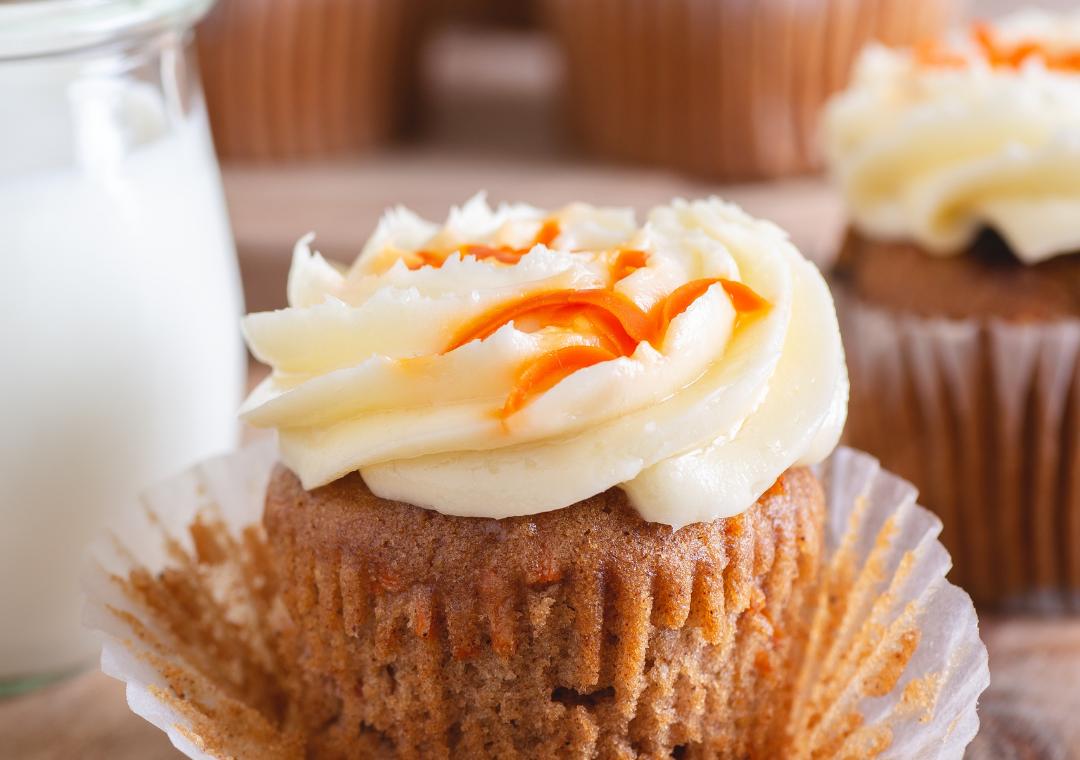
694,426
932,145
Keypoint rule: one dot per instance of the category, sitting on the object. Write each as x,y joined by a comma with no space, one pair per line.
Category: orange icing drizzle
933,53
1001,56
548,233
615,319
503,254
618,323
545,371
626,263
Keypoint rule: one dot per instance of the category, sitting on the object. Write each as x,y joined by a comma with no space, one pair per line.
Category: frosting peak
514,361
983,129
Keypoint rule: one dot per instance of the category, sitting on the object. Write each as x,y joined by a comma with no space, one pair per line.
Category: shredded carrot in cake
776,489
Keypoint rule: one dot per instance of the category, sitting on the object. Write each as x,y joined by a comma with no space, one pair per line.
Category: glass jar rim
31,28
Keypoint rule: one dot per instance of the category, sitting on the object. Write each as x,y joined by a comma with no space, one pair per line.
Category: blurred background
503,95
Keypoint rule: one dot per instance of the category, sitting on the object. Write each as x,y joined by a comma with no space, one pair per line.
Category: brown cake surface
584,632
986,280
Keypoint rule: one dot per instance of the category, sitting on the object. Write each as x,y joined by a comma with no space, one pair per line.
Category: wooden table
1032,709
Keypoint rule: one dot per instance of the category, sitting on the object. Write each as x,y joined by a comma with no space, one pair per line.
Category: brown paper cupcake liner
306,78
981,414
182,595
725,88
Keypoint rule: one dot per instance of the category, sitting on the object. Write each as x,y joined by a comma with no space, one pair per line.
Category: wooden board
1032,708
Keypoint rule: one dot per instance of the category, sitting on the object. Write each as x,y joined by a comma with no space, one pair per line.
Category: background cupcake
960,163
286,80
724,88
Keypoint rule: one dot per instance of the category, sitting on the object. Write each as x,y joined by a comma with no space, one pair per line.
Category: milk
120,355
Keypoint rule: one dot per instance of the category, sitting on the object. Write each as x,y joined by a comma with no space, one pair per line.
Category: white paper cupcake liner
981,414
894,666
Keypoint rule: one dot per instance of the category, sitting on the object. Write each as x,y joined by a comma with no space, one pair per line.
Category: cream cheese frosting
983,130
515,361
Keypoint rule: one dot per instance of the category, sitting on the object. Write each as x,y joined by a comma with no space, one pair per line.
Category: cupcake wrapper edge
894,665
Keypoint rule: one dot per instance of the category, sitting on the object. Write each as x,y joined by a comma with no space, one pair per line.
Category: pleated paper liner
289,79
728,89
982,416
182,596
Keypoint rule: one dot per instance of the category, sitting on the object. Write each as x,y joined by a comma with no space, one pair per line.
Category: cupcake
547,484
288,80
727,89
960,164
544,482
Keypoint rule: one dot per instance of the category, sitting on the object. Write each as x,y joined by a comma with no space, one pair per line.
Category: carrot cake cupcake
544,487
727,89
960,163
289,80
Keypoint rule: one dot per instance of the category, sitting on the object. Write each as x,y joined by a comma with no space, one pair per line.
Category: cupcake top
982,130
517,361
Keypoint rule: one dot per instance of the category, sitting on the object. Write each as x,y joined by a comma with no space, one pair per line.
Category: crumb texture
581,633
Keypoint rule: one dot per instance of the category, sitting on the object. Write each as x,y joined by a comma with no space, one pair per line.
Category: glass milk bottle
121,360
